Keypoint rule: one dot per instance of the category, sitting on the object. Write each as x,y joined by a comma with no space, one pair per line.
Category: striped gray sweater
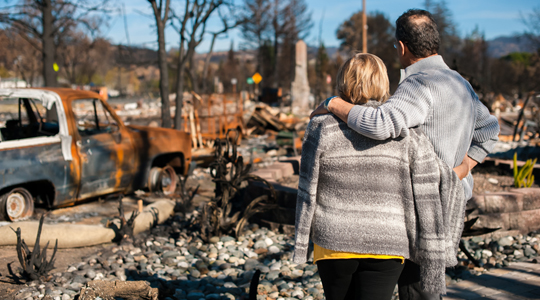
443,104
392,197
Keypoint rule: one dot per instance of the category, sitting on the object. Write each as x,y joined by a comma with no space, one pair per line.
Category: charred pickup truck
59,146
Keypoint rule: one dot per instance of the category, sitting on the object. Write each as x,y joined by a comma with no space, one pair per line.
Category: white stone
229,243
493,181
298,294
268,241
70,269
224,256
273,249
487,253
275,266
252,254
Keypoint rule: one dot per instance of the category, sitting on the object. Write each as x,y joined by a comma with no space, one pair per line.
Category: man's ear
403,49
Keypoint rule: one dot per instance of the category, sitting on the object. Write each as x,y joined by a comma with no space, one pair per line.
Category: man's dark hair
417,29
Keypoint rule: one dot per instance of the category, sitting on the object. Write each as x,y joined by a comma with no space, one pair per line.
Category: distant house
11,83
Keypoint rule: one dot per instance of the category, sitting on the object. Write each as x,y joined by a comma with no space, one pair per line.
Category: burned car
59,146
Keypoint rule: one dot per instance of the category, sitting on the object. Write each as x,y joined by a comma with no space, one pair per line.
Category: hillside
504,45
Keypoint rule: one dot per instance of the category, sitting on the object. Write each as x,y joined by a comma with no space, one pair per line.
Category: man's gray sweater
393,197
443,104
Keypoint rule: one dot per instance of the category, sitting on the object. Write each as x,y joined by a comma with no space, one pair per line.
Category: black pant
409,284
359,278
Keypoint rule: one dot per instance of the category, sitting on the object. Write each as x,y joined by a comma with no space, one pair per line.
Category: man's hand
339,107
462,170
320,110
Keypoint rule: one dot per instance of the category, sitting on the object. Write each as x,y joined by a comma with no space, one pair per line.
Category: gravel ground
182,266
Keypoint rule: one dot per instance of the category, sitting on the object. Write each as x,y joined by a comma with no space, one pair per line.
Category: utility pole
364,27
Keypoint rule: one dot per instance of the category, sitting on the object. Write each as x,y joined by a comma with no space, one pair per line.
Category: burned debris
228,212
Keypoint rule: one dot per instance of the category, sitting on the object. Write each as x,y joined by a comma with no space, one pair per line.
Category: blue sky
493,17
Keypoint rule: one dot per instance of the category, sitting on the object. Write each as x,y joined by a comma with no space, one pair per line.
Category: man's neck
414,60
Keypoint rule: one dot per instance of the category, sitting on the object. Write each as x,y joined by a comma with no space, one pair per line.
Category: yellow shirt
323,253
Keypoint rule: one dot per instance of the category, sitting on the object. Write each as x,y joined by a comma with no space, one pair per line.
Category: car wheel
17,205
162,180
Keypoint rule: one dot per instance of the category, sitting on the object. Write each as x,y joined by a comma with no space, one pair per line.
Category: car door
104,148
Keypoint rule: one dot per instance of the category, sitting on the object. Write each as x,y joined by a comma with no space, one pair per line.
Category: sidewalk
515,282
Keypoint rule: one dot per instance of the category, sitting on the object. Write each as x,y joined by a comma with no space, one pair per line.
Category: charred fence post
34,263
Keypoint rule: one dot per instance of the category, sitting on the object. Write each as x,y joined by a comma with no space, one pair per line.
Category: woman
370,204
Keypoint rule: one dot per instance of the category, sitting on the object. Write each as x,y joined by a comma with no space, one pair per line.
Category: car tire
17,205
162,180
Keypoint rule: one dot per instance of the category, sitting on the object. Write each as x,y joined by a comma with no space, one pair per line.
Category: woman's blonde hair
361,78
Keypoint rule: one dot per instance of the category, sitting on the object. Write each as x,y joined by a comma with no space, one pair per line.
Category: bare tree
296,23
191,27
228,23
81,57
255,31
44,22
19,56
273,28
161,14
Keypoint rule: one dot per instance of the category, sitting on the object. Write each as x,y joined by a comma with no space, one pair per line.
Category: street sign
256,78
234,81
249,80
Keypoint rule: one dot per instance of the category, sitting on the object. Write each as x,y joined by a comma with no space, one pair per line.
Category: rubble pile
266,119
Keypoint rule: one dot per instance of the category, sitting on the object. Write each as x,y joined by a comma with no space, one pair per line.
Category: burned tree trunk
161,15
49,49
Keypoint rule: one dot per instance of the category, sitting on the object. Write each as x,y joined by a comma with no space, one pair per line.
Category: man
435,98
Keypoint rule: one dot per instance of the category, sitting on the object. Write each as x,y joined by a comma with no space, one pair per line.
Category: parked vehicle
59,146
